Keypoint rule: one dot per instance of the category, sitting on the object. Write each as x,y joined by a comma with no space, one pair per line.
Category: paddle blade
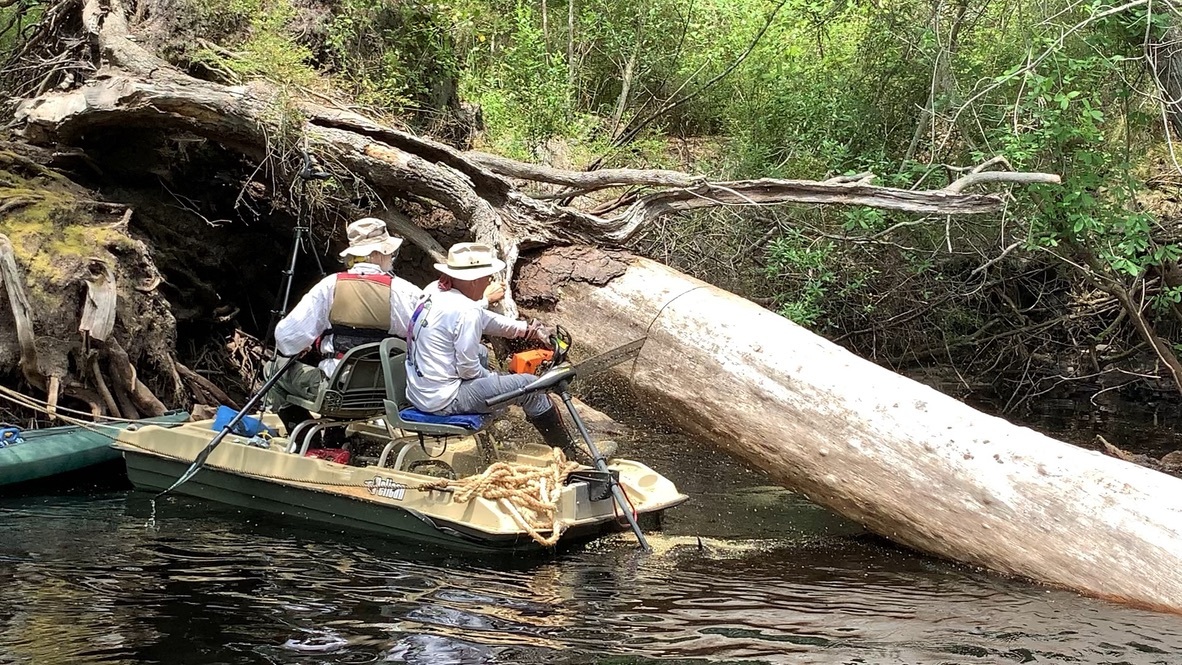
198,461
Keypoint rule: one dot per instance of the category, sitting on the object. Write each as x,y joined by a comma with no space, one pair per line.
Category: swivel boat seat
355,393
400,414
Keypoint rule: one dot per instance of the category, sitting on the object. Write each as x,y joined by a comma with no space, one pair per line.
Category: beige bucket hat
369,234
471,260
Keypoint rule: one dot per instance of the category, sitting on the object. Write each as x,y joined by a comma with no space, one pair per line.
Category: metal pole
601,464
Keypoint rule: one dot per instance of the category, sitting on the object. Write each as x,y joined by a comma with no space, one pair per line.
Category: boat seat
401,414
355,391
471,422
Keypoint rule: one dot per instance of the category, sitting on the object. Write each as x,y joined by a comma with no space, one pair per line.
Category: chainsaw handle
547,380
560,341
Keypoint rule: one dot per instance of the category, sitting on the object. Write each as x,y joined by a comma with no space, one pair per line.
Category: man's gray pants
473,393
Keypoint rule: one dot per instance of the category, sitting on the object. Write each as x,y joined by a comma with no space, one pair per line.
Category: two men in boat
447,365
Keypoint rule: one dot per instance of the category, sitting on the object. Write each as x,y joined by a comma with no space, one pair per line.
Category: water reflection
745,572
83,581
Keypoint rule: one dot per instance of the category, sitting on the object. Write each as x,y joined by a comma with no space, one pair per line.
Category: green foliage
13,20
896,88
1064,112
806,262
253,39
394,55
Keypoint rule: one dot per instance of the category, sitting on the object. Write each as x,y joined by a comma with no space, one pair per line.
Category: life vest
360,310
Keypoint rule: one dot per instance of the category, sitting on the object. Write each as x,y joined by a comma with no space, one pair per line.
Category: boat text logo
386,487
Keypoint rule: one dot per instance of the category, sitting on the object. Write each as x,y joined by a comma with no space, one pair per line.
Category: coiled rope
529,493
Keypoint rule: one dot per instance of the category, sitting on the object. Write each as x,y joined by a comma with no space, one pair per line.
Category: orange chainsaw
540,361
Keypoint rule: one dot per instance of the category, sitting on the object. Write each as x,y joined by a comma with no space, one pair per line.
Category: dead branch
991,262
983,177
101,385
55,384
19,303
126,382
204,385
17,202
80,392
587,181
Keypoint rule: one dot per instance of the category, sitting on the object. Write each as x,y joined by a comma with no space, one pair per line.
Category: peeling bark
98,314
19,302
540,278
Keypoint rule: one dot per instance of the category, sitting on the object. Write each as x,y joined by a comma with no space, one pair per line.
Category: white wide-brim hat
470,260
368,235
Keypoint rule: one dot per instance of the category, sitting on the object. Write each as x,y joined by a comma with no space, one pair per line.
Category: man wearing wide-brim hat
365,303
445,368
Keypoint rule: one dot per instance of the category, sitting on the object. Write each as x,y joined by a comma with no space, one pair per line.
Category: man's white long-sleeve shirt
309,318
445,347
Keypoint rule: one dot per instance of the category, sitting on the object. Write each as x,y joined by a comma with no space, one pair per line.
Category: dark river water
96,577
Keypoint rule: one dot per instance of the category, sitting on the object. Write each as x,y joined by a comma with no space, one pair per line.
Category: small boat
37,454
409,491
398,471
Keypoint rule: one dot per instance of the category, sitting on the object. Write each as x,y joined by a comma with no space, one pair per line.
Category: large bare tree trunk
908,462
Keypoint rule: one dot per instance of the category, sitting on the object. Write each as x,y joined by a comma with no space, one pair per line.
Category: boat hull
156,474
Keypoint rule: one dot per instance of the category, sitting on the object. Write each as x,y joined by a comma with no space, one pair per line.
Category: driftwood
204,389
101,385
140,399
907,461
19,303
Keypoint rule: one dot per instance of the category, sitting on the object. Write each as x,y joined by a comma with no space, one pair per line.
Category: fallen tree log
908,462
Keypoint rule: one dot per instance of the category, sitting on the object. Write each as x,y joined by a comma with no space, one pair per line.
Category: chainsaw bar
609,359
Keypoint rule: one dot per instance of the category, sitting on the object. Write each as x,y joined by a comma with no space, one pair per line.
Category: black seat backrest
356,389
393,355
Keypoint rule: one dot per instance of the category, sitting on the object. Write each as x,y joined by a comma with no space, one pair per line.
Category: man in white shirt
362,304
446,365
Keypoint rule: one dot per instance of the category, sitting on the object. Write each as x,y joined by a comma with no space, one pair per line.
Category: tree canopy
1068,283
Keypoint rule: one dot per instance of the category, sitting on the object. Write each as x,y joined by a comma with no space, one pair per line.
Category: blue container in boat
10,436
248,426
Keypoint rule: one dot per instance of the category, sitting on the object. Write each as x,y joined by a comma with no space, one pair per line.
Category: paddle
213,443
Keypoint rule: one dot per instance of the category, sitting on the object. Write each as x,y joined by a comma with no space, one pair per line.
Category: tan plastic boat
397,492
